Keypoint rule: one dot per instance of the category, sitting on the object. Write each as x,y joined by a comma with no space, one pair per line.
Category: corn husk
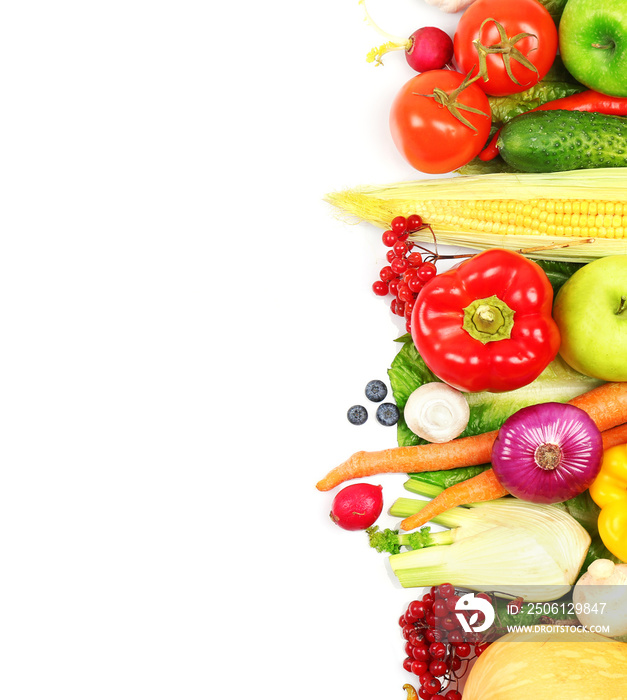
379,204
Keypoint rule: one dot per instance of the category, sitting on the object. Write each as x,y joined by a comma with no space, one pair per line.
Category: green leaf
449,477
506,108
558,271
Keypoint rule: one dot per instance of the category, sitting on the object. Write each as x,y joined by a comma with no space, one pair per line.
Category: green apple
590,310
593,44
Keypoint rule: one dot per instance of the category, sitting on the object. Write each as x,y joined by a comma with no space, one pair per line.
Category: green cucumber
555,140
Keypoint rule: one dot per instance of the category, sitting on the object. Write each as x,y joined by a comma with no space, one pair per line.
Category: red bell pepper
486,324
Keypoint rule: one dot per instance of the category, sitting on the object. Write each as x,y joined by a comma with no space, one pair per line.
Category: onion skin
547,453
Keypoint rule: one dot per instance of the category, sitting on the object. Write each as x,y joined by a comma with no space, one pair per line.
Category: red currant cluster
407,271
437,650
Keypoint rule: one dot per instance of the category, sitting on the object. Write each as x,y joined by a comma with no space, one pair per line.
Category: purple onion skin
528,438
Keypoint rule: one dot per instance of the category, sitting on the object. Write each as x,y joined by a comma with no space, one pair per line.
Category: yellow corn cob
560,216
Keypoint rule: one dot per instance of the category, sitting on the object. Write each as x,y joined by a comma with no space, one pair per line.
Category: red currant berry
399,265
462,650
430,619
409,307
455,637
414,259
414,222
446,590
399,224
415,284
380,288
393,285
390,255
407,663
400,248
410,273
408,325
420,652
389,238
418,667
427,599
404,293
433,686
450,623
453,695
407,631
424,694
451,602
427,271
456,663
439,608
402,621
437,650
417,609
437,697
438,668
386,273
425,678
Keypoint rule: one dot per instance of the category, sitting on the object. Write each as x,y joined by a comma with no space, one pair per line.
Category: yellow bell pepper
609,492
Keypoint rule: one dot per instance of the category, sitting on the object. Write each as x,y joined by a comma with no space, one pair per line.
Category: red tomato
428,133
500,23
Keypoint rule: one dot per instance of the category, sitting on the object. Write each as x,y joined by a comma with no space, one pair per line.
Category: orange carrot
615,436
432,457
605,404
483,487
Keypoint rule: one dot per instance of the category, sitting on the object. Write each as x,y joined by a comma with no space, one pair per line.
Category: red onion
547,453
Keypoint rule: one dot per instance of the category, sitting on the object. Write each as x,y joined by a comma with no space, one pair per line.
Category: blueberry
376,390
357,415
387,414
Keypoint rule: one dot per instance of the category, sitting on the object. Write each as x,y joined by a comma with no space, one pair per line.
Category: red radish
357,506
428,48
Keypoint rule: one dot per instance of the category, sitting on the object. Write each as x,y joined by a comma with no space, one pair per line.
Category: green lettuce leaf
554,8
510,106
558,271
449,477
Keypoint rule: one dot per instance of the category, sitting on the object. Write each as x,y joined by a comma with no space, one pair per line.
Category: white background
184,323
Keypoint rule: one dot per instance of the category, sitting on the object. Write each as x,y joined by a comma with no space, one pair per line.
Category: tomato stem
449,100
506,47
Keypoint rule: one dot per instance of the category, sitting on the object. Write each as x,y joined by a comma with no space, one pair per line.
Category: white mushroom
436,412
